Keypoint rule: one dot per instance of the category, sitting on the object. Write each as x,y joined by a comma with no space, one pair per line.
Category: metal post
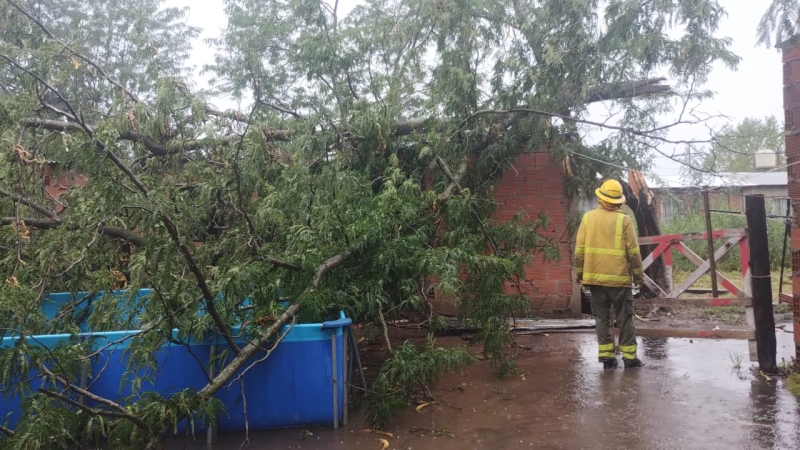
346,375
334,382
709,230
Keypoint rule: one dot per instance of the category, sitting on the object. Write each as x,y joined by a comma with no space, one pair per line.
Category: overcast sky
754,90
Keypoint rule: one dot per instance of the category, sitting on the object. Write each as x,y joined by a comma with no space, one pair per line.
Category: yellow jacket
607,250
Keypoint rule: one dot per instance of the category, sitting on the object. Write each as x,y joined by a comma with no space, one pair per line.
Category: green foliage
734,149
692,222
793,384
408,374
362,176
780,18
787,368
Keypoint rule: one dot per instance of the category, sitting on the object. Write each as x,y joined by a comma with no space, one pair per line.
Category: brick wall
791,106
56,182
533,185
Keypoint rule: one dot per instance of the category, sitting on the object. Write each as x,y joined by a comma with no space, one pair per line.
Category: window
777,206
671,206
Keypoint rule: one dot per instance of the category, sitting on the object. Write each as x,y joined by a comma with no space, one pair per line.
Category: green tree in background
735,147
361,177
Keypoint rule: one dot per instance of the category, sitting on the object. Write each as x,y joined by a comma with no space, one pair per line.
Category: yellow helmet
611,192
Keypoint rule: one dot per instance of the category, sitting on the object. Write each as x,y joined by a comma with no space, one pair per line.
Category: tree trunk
647,225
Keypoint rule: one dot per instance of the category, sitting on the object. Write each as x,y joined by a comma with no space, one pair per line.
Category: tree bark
646,225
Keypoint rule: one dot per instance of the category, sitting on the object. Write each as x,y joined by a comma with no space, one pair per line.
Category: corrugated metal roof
734,179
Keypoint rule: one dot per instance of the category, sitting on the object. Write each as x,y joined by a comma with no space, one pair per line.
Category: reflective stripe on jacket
607,250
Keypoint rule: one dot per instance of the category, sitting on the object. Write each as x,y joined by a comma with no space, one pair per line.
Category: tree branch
294,114
631,89
646,133
94,411
85,58
42,82
95,398
26,201
453,181
250,349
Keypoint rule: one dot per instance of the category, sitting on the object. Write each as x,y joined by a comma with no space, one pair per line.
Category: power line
622,167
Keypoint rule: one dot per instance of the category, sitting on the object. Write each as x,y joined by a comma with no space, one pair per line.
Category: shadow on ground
690,396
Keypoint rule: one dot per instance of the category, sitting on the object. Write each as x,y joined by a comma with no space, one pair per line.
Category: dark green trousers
603,298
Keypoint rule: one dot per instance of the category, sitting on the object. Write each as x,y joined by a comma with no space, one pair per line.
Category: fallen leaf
766,377
384,443
545,334
522,375
75,64
421,407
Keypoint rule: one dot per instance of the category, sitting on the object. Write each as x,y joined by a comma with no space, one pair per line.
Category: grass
793,384
736,364
782,308
736,278
732,315
785,367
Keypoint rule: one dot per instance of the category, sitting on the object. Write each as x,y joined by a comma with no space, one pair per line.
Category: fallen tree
362,171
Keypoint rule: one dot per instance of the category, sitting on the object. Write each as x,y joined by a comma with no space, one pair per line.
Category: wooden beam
705,267
695,259
691,334
700,302
718,234
656,289
710,242
656,253
761,283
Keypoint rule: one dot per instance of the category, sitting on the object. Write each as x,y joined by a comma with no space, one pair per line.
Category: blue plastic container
293,387
85,302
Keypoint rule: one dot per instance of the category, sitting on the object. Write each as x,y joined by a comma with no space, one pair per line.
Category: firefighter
607,260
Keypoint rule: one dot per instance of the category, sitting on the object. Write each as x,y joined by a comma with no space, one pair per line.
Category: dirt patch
670,315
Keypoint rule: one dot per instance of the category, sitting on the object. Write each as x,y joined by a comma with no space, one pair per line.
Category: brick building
791,106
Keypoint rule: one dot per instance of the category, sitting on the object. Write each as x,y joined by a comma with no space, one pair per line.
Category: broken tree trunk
640,201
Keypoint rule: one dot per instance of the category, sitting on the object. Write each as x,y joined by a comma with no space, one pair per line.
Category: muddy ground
693,394
669,315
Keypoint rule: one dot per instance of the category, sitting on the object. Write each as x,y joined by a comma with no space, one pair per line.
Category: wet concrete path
690,396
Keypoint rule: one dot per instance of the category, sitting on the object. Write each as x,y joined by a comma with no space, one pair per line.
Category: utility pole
713,268
761,282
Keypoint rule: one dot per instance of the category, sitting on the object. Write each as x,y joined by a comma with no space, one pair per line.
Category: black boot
609,363
633,363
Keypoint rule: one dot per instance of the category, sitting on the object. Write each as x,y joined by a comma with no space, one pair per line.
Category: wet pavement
691,395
